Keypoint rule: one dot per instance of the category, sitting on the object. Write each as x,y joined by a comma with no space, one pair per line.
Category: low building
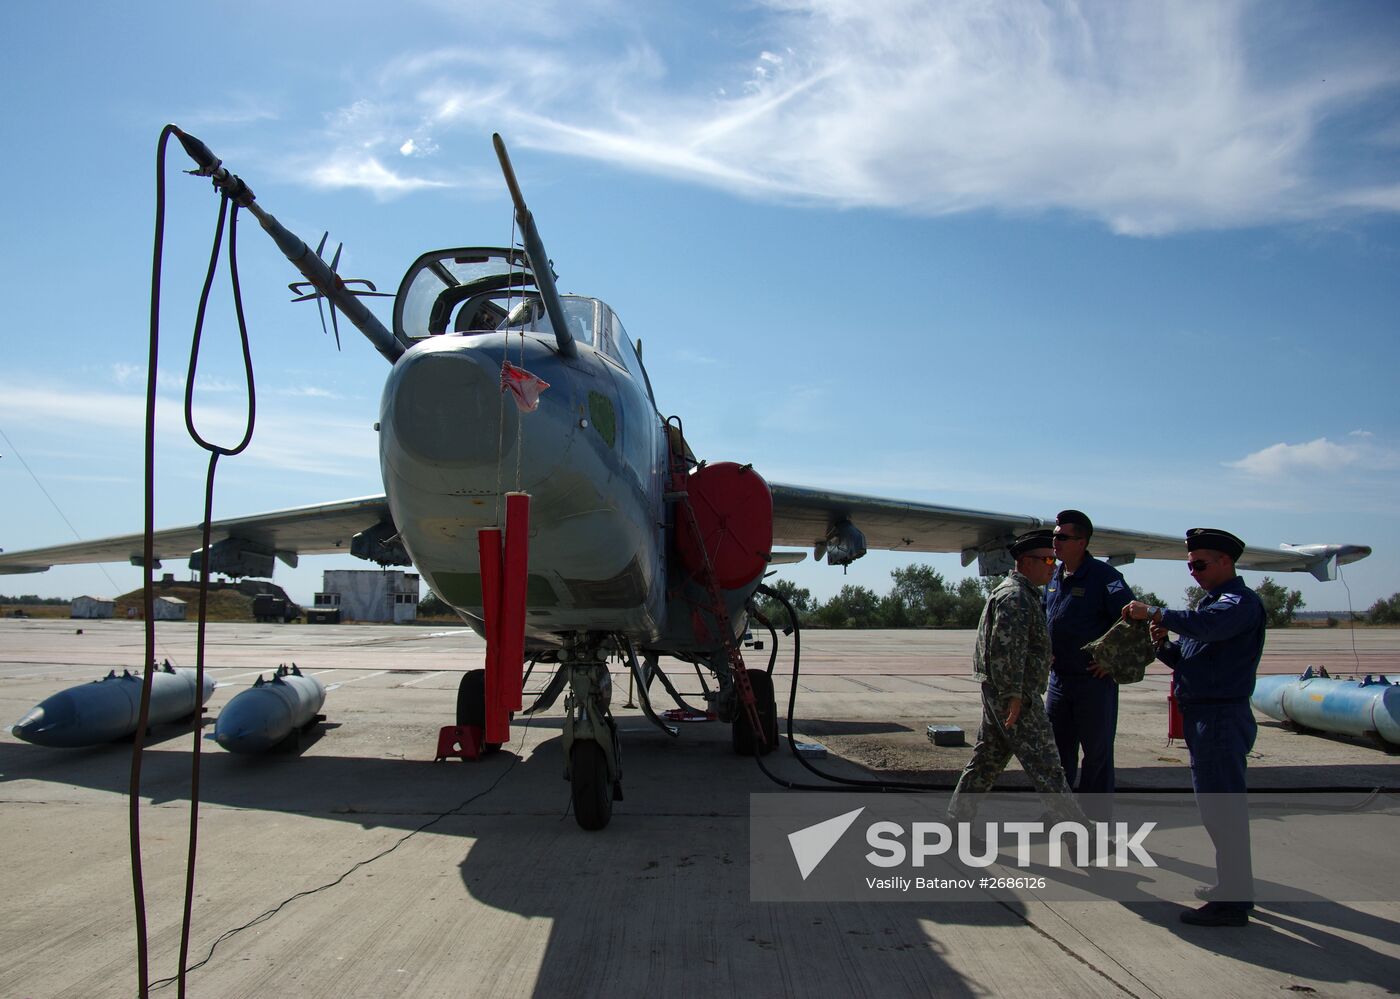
92,607
370,594
169,609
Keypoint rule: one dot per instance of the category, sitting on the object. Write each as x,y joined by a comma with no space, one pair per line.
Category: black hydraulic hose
757,615
849,783
215,451
148,550
148,588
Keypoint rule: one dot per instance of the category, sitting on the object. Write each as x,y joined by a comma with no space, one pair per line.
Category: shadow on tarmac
660,899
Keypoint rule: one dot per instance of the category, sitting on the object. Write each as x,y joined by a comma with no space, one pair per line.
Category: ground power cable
269,913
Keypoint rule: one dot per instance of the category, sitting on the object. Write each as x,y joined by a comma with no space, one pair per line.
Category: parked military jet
636,549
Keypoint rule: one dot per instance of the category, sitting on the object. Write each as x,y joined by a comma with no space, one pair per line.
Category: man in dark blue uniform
1214,662
1082,601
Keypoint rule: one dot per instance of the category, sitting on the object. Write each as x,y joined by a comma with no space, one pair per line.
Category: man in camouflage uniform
1013,663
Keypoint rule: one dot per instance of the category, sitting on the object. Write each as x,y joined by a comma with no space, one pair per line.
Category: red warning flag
524,387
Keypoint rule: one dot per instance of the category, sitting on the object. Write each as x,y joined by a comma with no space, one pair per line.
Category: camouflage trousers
1031,741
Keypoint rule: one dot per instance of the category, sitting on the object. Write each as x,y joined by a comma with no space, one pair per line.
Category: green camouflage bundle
1124,650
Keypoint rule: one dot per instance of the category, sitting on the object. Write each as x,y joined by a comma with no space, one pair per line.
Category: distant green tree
853,607
34,600
1386,610
434,606
972,596
1148,597
895,613
1194,595
924,596
799,596
1280,604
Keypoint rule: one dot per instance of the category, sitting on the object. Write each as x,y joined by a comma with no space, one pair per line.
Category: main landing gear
471,704
741,730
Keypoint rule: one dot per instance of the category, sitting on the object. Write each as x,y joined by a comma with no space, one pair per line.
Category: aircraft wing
804,517
308,530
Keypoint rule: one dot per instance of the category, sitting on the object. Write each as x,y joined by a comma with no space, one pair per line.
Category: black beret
1077,518
1212,539
1032,540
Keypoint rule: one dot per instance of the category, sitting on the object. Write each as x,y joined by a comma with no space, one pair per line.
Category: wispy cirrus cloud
345,447
1151,118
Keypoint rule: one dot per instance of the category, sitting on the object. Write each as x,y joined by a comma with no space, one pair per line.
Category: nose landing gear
592,751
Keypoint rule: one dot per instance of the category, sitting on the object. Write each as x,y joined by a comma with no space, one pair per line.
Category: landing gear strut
592,752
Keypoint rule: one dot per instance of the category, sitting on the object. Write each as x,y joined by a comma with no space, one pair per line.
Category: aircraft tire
744,742
471,703
589,784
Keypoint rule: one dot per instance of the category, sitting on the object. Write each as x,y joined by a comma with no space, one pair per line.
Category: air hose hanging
227,193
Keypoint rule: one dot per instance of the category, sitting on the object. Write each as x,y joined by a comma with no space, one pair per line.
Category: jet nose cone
446,407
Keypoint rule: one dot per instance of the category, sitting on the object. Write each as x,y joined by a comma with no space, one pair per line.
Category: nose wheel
590,786
591,749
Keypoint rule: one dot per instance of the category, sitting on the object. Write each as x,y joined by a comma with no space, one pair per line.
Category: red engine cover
734,512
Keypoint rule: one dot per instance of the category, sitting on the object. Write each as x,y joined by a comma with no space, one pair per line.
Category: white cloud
1150,117
354,170
1361,463
1278,460
307,392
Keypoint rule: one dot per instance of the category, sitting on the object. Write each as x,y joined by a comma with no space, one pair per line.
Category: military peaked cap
1211,539
1077,518
1030,541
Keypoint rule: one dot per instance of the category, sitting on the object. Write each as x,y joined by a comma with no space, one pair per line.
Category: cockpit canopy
460,290
481,289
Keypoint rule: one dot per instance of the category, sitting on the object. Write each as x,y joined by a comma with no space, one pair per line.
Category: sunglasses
1047,559
1069,537
1198,565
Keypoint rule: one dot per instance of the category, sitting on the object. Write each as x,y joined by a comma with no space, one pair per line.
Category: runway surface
359,867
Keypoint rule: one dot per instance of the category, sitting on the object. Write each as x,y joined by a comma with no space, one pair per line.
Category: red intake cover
734,511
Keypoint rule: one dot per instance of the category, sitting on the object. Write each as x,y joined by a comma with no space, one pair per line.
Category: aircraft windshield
530,315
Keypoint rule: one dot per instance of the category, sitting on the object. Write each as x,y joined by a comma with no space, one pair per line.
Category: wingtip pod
106,710
268,712
1323,560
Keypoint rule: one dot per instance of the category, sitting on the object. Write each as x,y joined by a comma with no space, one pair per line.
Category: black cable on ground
264,916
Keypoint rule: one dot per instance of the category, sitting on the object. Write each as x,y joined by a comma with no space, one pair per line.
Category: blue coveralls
1215,661
1083,708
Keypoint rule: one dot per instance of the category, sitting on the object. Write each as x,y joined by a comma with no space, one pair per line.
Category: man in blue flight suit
1214,663
1082,601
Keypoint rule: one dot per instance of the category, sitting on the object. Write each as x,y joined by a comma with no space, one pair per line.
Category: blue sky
1135,258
